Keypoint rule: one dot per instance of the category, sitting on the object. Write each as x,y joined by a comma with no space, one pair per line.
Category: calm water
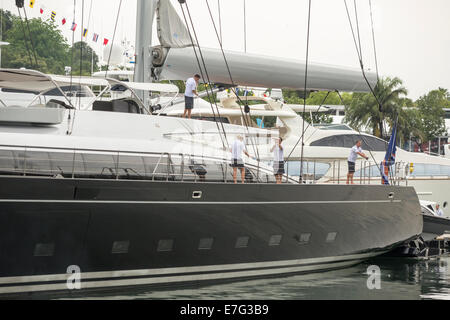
400,279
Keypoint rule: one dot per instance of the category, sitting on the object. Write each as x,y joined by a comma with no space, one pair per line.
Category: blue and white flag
389,158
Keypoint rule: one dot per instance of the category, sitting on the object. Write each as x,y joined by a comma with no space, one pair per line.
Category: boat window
165,245
242,242
67,163
205,243
422,169
303,238
131,167
125,106
7,90
349,140
44,249
447,114
159,167
275,240
99,165
8,161
319,169
34,162
120,247
217,119
331,237
124,166
71,91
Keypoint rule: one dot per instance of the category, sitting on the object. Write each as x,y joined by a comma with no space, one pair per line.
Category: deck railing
111,164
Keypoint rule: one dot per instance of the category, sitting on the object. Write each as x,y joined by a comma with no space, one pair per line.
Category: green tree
431,112
82,48
50,46
316,98
364,111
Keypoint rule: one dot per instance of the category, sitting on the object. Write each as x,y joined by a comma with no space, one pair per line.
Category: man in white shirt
191,89
355,151
278,160
439,211
237,148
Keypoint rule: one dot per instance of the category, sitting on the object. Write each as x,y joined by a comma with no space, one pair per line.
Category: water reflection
400,279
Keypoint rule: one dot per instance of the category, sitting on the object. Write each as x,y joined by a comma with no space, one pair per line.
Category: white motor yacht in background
327,147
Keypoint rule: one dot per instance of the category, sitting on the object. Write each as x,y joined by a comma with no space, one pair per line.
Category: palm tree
365,113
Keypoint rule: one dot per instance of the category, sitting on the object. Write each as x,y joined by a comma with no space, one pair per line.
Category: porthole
331,236
120,247
242,242
304,238
275,240
165,245
205,243
445,204
44,249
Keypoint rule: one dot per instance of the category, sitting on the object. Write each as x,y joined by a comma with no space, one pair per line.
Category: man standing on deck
191,89
439,211
355,151
237,148
278,160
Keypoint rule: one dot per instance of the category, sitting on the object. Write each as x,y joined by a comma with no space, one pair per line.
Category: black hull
127,233
434,227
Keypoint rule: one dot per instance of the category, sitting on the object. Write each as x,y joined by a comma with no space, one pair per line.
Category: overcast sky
412,36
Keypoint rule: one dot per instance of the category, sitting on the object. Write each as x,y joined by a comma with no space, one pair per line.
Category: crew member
355,151
439,211
191,90
237,148
278,160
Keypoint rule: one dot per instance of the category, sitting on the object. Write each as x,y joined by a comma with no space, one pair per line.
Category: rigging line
207,75
72,49
373,40
208,79
72,121
24,38
203,76
89,17
92,49
362,67
357,28
362,137
220,20
114,36
380,106
231,79
304,98
353,33
81,48
31,37
245,29
304,130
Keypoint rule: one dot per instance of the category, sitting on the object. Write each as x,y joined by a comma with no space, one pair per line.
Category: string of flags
73,27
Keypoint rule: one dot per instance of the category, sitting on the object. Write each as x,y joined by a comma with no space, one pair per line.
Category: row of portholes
166,245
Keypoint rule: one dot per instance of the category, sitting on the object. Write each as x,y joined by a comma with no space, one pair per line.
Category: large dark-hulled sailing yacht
128,198
110,191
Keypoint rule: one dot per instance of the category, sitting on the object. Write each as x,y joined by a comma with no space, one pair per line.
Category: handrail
71,168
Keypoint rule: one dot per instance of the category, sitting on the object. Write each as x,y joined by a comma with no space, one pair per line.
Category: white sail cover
172,32
264,71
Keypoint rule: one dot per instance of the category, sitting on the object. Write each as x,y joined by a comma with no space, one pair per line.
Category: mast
144,23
